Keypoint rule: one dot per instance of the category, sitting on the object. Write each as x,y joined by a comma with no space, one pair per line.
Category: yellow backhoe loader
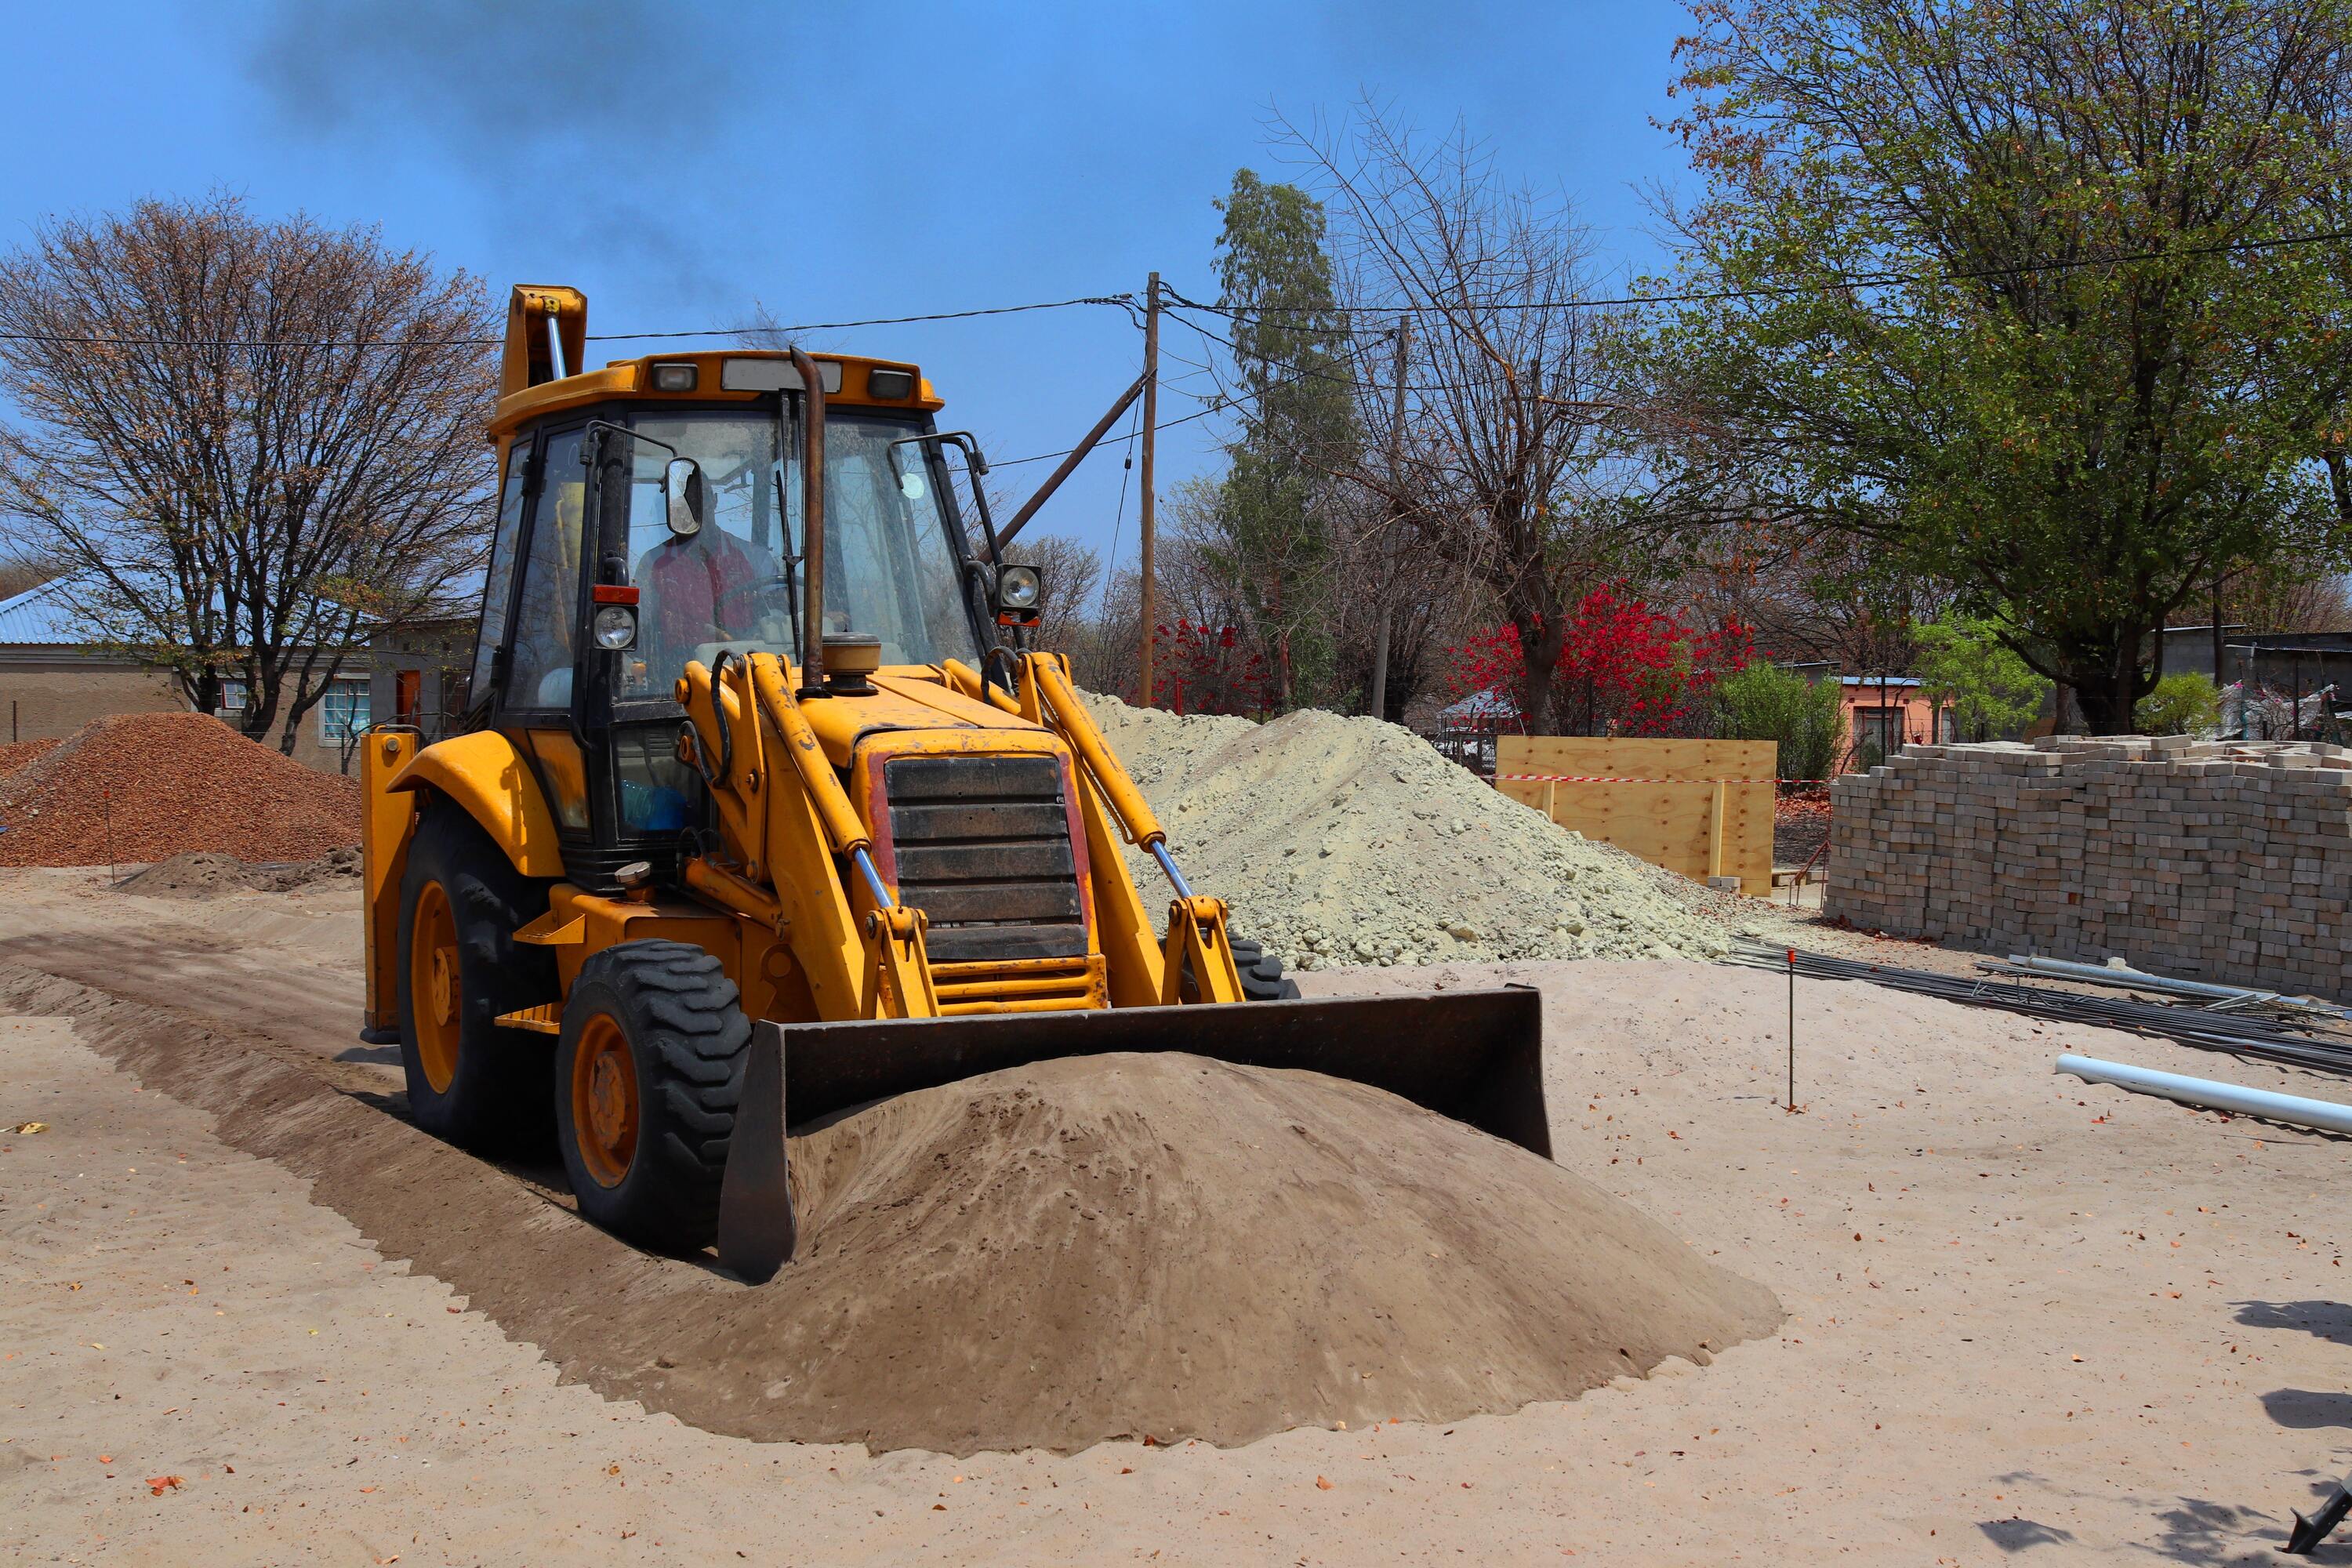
762,810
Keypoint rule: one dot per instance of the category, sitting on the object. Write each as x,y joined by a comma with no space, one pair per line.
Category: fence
1703,808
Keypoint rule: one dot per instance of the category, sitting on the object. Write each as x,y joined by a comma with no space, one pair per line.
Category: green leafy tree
2182,703
1294,392
1964,663
1765,702
2033,318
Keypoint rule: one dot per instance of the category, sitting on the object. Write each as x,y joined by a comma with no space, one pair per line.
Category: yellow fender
485,775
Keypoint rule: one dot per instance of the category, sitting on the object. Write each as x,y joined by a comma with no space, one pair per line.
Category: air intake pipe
811,523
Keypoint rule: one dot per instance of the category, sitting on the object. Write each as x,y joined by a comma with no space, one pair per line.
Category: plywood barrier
1700,807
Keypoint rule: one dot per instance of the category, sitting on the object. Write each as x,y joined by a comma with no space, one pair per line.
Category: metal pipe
873,878
811,523
1159,853
2107,974
2306,1042
2209,1095
1076,456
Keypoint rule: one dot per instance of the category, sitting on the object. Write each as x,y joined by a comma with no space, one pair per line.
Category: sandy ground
2028,1318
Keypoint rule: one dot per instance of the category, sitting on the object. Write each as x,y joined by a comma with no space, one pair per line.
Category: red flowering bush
1623,670
1204,670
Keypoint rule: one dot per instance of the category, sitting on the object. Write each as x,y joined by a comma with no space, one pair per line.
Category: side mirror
682,496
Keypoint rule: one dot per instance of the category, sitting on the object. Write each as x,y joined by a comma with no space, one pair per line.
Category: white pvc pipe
2205,1092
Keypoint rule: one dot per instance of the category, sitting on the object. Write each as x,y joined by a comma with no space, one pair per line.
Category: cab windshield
890,568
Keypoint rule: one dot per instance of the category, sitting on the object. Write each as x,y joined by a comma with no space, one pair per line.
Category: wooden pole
1379,702
1146,516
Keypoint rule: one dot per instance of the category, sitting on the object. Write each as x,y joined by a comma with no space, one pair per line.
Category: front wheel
647,1074
470,1080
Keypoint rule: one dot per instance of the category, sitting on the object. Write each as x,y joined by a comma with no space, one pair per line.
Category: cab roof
540,316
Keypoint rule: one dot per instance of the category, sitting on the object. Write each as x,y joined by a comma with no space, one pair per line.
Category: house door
407,696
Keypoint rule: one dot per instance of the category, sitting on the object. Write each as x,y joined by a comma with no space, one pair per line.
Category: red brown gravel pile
16,753
1801,825
147,786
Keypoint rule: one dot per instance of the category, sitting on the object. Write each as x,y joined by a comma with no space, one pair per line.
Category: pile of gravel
1347,841
207,874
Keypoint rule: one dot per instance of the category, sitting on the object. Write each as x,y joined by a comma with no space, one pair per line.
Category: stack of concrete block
2227,861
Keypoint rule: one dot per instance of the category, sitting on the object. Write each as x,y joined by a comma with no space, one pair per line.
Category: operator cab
649,515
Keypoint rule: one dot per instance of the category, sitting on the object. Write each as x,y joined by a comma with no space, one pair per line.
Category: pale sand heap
1348,841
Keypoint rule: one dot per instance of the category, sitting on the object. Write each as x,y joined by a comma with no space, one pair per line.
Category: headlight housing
616,626
1019,589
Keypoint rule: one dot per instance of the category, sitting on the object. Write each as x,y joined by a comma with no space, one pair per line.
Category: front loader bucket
1473,1055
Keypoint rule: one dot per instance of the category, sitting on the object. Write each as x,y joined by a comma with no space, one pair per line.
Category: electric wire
99,340
1770,291
1119,516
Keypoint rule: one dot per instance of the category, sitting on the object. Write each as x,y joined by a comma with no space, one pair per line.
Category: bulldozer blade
757,1228
1476,1056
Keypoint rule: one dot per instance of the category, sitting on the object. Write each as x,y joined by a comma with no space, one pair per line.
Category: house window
343,712
1877,735
234,700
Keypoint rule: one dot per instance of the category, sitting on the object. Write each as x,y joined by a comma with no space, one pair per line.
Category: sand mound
207,874
1167,1246
1341,840
1053,1255
147,786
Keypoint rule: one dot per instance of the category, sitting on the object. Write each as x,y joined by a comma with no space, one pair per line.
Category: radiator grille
982,846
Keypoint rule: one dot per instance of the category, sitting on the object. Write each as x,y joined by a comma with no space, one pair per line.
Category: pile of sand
147,786
1341,840
207,874
1053,1255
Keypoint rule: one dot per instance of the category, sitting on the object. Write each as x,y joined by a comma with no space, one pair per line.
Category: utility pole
1151,431
1379,703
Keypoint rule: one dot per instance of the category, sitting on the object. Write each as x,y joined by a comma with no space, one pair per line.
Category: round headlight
1018,588
615,628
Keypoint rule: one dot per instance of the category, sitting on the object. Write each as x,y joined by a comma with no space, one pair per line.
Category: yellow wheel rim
434,992
605,1099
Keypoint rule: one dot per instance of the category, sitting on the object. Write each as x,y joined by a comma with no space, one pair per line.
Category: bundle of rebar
2301,1042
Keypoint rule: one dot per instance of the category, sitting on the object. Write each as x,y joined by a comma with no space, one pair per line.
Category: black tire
494,1100
1260,972
687,1038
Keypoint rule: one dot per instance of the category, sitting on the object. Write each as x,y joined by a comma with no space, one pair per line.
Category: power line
103,341
1853,281
1303,372
1164,424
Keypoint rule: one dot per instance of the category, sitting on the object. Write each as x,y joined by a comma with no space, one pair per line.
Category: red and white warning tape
1597,778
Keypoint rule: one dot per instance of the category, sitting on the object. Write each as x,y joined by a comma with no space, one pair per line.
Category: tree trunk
1540,640
2108,686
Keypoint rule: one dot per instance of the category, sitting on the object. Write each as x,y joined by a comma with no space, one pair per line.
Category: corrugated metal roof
42,616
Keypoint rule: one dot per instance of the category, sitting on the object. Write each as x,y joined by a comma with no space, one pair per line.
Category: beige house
54,678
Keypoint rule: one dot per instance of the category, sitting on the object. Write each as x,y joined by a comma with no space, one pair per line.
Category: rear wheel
647,1074
461,901
1260,970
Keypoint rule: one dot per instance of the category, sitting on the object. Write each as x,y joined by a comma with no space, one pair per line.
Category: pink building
1883,715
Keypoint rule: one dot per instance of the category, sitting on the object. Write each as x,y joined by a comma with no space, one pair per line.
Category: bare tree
1504,456
1070,573
245,439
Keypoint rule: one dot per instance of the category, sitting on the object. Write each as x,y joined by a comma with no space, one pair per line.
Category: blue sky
681,161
